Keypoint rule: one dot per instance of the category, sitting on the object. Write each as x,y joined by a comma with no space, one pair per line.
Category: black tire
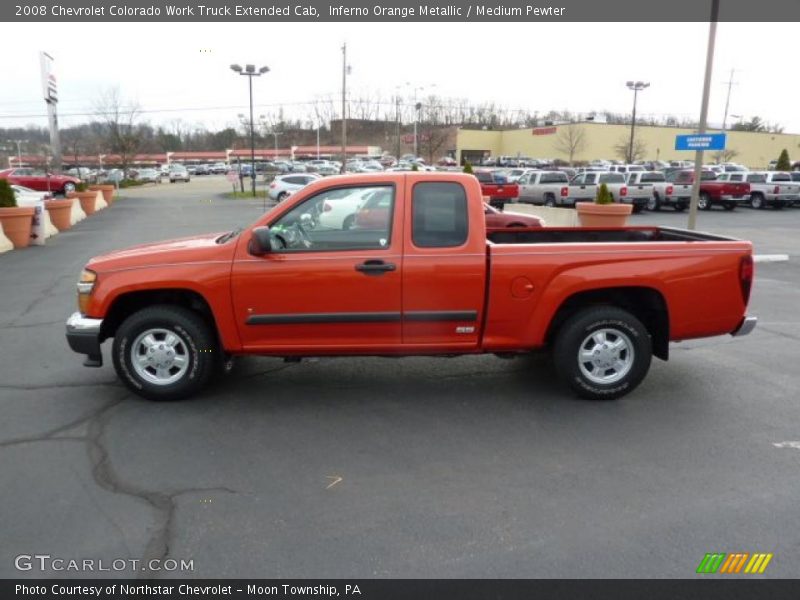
550,200
637,208
757,201
282,196
729,205
704,202
575,333
654,203
199,348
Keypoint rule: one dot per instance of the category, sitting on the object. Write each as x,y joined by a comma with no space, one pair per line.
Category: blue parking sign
698,141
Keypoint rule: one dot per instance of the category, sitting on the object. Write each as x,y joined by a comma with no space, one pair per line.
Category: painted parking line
767,258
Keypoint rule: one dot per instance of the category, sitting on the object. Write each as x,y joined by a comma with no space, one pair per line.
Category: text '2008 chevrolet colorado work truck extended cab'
423,277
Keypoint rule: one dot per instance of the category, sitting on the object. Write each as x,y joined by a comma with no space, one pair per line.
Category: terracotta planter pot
603,215
60,212
17,222
88,200
107,190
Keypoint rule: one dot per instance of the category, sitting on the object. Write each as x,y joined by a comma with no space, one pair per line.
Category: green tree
8,198
784,164
603,195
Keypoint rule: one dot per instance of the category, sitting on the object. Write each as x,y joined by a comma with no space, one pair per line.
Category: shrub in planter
60,212
467,167
603,212
81,187
107,189
16,220
784,164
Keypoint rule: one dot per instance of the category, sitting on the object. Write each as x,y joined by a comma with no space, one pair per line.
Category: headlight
85,286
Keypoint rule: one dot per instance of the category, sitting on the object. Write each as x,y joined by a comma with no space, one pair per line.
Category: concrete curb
5,243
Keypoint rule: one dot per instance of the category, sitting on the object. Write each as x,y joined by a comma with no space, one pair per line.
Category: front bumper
746,326
83,336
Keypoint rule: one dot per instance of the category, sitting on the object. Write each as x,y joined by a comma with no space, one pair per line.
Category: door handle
375,267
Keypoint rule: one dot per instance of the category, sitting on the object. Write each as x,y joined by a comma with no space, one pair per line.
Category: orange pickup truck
426,277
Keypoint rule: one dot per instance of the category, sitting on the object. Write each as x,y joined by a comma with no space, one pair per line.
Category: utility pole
698,159
344,106
397,122
730,83
19,152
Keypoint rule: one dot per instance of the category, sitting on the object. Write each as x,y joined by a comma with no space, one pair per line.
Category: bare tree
726,155
122,133
623,149
571,140
432,140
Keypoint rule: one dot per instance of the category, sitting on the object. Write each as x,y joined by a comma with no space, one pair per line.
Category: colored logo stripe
734,562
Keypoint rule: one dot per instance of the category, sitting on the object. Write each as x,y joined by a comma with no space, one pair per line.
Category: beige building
754,150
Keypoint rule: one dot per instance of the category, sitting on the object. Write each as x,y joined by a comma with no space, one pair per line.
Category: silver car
283,185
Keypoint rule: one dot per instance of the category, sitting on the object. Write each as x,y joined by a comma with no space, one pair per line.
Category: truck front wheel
164,352
602,353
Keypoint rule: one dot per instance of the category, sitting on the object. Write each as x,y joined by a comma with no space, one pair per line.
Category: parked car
283,185
496,219
40,180
665,193
767,188
148,176
548,188
219,168
727,194
584,189
179,173
432,280
202,170
21,191
447,161
626,168
112,176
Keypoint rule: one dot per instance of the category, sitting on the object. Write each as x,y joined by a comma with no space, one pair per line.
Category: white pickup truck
665,193
549,188
767,188
583,188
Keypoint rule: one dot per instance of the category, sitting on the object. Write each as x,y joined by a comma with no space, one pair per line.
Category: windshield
652,177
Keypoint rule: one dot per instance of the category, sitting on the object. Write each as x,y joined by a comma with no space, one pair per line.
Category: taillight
564,192
273,185
746,272
777,190
327,207
670,189
623,191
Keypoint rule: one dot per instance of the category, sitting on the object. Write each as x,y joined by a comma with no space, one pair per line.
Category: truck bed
573,235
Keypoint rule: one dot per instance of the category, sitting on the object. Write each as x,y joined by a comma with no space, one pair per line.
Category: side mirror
260,242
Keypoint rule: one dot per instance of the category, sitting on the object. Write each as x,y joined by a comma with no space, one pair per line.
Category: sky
181,71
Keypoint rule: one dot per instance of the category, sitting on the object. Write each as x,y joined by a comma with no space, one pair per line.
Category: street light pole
636,86
19,152
344,106
250,71
698,157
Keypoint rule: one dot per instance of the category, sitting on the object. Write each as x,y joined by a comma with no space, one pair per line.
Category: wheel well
127,304
646,304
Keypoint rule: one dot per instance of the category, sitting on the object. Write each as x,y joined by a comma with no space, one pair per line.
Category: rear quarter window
439,215
611,178
554,178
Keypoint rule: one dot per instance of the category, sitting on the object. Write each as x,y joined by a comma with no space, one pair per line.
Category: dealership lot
417,467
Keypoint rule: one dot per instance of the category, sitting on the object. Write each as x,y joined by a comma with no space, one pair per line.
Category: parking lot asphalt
368,467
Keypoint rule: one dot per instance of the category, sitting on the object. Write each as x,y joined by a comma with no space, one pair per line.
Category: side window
439,215
590,178
353,218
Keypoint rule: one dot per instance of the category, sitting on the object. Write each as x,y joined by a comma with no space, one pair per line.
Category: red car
372,215
496,219
39,180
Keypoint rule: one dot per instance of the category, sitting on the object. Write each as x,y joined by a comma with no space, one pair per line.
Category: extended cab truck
770,188
548,188
499,193
728,194
664,193
583,188
429,280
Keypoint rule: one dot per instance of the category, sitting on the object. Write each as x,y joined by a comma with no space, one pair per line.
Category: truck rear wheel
704,201
757,201
602,353
164,352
